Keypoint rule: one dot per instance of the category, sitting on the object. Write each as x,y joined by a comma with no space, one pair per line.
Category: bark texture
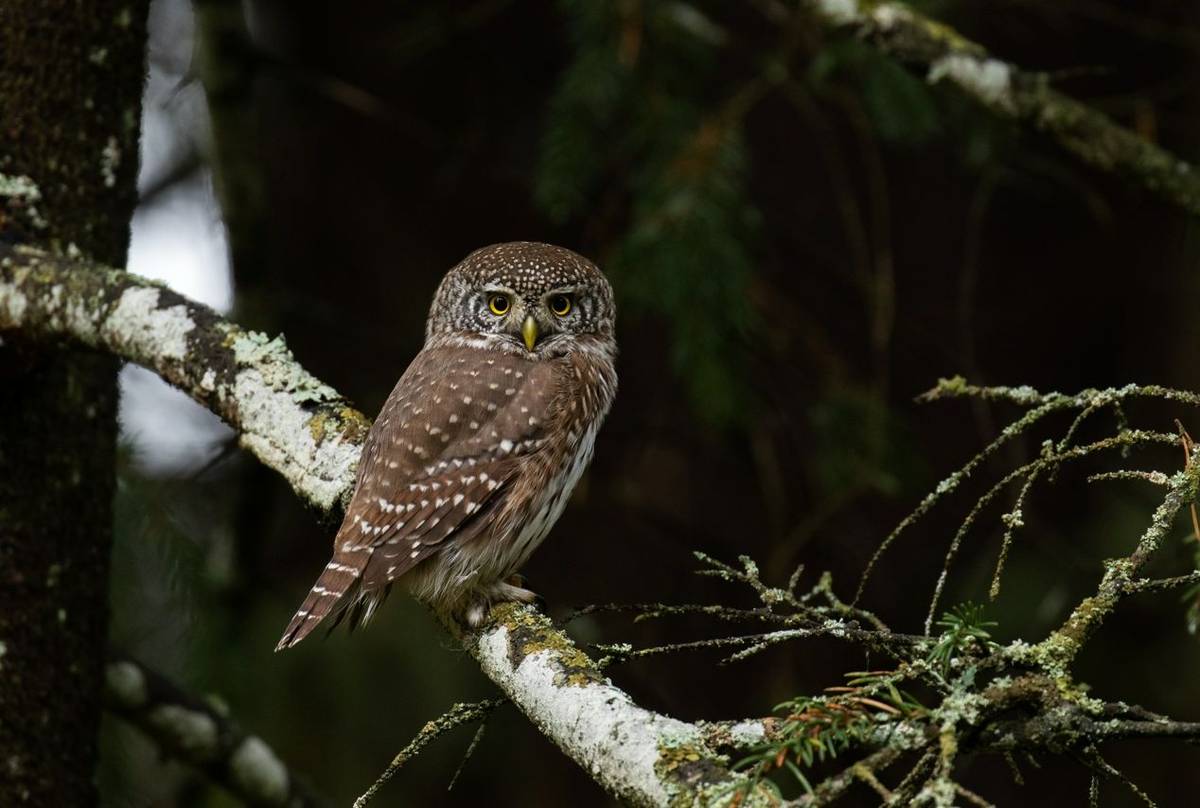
71,76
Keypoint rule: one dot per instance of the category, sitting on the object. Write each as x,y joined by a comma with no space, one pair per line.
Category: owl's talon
520,592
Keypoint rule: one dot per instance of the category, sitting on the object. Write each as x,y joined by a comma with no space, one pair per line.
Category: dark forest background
803,235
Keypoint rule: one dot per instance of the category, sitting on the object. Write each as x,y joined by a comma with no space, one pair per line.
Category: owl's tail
339,587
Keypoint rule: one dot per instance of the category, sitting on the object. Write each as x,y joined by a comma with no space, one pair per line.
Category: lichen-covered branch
285,417
988,698
1119,575
944,55
302,428
642,757
192,731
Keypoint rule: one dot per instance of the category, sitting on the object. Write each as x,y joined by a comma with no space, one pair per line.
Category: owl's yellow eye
499,304
560,305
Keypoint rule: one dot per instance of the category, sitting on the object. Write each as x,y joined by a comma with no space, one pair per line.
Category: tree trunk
71,76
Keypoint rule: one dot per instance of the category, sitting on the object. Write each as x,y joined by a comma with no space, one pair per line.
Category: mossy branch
1026,97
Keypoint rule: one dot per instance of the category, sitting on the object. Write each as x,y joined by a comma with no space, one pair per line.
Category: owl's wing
435,467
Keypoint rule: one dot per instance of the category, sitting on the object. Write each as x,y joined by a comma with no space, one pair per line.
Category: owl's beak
529,331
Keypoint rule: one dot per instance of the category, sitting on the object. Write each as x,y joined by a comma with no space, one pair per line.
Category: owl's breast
587,388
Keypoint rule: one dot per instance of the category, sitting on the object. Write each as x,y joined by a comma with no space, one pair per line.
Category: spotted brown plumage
478,447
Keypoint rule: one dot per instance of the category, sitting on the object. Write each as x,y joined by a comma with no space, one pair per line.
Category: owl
478,447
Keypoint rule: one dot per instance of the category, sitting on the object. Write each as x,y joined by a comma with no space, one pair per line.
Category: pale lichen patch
259,771
139,326
126,684
25,192
989,80
192,731
278,367
839,11
12,306
274,429
747,733
110,161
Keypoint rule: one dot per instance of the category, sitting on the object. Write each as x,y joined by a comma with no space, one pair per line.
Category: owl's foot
510,590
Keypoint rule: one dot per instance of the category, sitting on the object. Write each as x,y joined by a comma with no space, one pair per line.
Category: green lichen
26,195
531,632
954,386
694,776
279,369
344,422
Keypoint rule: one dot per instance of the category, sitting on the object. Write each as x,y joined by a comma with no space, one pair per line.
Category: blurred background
803,235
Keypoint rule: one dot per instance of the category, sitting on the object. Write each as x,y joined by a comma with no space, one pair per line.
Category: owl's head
537,297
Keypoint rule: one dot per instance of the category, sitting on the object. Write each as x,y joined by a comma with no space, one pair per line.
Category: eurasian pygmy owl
478,447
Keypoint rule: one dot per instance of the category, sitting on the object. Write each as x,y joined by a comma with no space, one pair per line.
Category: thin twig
462,764
456,716
1093,756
